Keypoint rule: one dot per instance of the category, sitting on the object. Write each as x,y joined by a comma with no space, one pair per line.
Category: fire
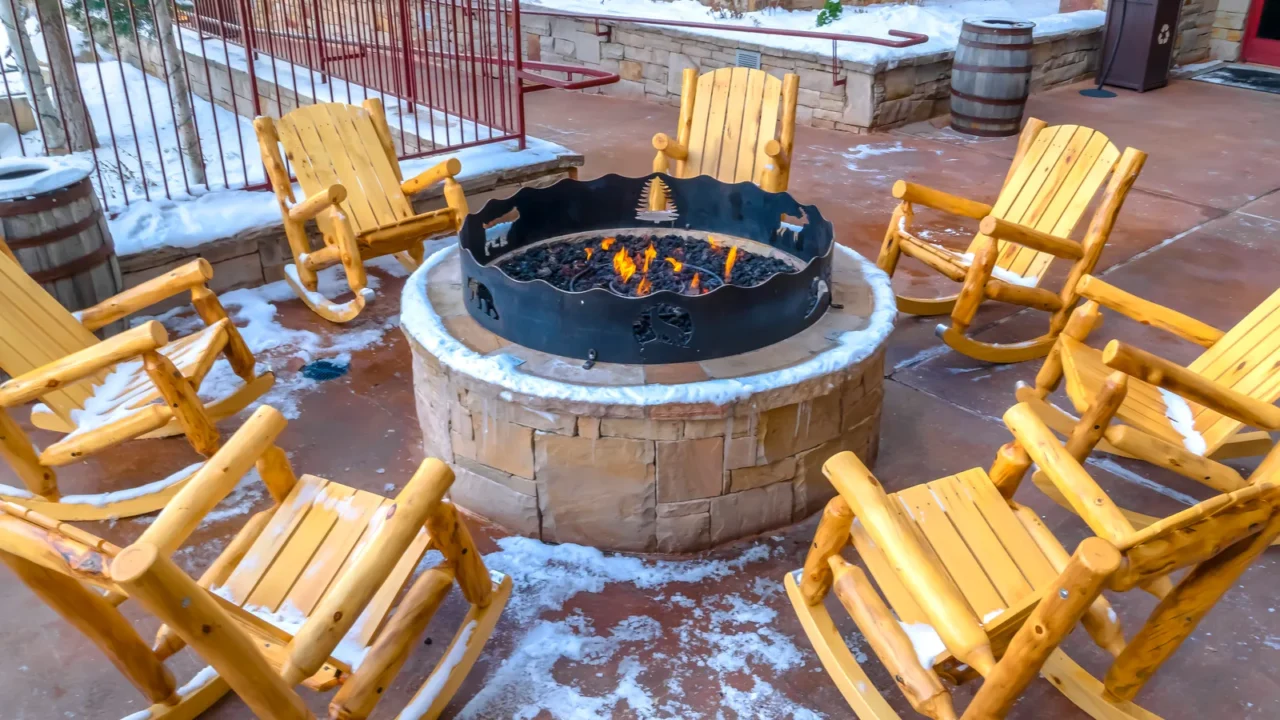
590,252
676,265
696,283
715,246
729,261
622,263
607,243
644,287
649,255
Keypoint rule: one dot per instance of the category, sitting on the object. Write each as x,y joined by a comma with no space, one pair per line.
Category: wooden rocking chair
135,384
347,166
1182,419
729,129
300,595
1051,182
978,586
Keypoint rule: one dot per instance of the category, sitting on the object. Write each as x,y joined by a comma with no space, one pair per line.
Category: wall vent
748,59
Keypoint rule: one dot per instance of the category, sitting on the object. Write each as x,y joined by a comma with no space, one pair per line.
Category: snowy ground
939,19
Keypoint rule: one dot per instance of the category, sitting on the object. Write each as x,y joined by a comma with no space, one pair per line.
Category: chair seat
969,529
320,530
1145,407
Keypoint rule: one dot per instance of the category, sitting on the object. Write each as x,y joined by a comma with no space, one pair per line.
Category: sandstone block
900,82
749,512
690,469
630,70
597,492
684,533
589,427
479,494
643,429
688,507
790,429
503,445
754,477
742,453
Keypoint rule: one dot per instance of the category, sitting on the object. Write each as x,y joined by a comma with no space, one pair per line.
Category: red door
1262,33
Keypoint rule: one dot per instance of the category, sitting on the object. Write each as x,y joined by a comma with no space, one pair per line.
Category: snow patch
423,701
1184,421
926,641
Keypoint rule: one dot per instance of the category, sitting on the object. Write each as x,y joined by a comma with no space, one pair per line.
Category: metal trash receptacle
1138,44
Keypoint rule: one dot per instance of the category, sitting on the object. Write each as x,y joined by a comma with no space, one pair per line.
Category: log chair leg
891,249
1063,604
349,254
1095,420
182,399
171,595
658,191
449,535
300,245
1079,324
1008,469
975,282
362,690
17,450
210,310
889,641
831,537
103,624
1178,614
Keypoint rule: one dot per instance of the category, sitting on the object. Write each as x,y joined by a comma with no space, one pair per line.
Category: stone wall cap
423,325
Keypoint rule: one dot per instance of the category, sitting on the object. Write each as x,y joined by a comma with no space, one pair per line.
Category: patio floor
715,636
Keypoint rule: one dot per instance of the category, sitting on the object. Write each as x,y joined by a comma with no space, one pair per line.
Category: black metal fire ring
665,326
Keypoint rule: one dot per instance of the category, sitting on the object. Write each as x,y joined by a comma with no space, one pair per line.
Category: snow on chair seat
353,188
100,393
1051,182
1162,423
310,591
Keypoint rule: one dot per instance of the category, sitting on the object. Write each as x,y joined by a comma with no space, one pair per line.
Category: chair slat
381,165
257,562
886,579
734,121
744,169
312,177
714,144
327,143
296,555
933,521
977,534
1033,564
770,113
358,156
698,134
332,555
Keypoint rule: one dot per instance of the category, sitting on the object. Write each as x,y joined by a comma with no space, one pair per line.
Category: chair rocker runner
351,180
1054,176
135,384
1187,420
977,586
326,562
736,125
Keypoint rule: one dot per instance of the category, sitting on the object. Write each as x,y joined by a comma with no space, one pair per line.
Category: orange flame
607,243
696,283
729,261
644,287
676,265
649,255
590,252
711,240
622,264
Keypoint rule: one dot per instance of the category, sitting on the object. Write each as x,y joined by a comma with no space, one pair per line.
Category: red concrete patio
1200,233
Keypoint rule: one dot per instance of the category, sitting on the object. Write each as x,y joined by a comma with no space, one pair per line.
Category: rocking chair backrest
336,143
735,113
1246,359
1049,189
35,330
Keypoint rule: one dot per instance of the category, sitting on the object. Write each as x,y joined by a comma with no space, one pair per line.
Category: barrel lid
27,177
999,26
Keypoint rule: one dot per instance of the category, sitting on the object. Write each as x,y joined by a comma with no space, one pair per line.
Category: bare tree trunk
183,112
24,54
63,67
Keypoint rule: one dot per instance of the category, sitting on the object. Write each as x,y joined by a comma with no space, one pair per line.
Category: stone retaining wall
873,97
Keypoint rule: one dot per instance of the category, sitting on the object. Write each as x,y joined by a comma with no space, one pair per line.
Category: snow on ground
727,645
939,19
276,347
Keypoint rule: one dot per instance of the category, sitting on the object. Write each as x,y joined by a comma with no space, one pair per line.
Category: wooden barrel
53,223
991,76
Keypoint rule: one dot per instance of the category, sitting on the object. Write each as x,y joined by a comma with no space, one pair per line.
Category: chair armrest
939,200
773,149
342,605
214,481
1147,312
1088,499
1192,386
79,365
331,196
928,584
672,149
1002,229
193,274
432,175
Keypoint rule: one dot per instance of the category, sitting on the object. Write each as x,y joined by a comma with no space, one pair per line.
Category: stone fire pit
669,458
646,364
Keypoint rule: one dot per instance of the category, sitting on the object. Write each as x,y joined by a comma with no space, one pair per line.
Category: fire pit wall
668,458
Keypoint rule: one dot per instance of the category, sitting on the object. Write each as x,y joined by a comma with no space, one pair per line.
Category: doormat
1243,77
